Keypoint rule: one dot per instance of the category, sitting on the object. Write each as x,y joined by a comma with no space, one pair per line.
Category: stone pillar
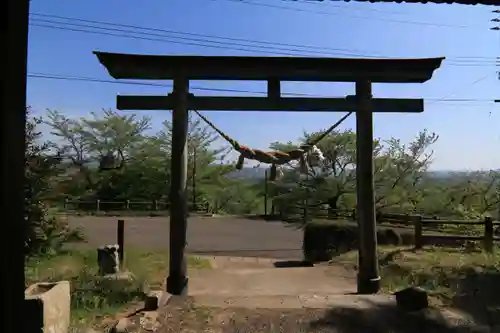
108,259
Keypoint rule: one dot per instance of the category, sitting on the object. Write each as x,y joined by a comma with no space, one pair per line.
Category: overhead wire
38,75
142,33
328,13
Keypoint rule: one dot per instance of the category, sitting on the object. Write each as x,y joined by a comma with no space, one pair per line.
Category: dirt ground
221,236
183,315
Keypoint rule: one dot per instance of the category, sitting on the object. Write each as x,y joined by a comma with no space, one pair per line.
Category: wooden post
265,192
488,234
274,89
368,274
120,240
417,227
14,14
177,281
194,179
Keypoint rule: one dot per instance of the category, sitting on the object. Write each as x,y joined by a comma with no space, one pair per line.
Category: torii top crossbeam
166,67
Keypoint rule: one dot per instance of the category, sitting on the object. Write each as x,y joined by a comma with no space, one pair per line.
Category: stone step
270,281
308,301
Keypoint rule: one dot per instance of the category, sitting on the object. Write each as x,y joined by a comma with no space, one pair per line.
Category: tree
398,170
44,232
85,141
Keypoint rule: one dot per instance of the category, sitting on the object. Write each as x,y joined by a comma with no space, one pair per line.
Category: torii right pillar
368,272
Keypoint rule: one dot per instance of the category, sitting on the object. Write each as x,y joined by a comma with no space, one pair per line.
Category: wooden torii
274,70
15,18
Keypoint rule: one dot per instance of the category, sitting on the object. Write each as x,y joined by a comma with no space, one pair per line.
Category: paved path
258,283
216,236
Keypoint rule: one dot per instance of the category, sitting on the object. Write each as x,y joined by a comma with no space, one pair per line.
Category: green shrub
45,232
325,239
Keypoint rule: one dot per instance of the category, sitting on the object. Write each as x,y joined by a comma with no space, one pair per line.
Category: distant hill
247,174
259,173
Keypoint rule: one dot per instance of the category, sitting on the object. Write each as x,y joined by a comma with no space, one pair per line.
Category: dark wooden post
194,180
417,227
177,281
120,240
368,274
265,192
488,234
13,115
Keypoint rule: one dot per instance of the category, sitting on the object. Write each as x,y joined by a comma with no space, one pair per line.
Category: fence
421,225
101,206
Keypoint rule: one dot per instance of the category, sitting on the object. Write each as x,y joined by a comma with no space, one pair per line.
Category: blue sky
469,131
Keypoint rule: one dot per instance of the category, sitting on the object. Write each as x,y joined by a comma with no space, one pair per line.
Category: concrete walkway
258,283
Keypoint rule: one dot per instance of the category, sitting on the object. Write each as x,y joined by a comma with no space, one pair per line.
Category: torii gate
274,70
15,15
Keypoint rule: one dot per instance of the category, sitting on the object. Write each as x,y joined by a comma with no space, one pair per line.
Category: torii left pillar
15,18
177,280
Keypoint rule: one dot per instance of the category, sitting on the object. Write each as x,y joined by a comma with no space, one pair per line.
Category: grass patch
468,280
94,298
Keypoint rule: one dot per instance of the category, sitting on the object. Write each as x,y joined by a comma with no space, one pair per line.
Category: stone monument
108,259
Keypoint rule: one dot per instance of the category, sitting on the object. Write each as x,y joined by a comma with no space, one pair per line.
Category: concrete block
156,299
412,299
47,307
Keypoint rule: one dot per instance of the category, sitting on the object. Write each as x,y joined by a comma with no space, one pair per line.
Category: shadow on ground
478,294
292,263
383,319
183,315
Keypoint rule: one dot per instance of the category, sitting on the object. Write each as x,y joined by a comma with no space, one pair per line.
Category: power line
183,33
347,6
453,93
174,39
370,18
118,32
38,75
497,19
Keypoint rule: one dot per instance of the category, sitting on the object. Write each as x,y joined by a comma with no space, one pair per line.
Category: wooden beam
273,89
368,273
177,281
313,69
216,103
15,17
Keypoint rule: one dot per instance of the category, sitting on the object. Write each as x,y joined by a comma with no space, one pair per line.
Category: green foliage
322,240
145,175
402,181
45,232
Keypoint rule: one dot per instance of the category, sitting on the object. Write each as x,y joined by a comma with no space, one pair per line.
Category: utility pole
496,27
194,180
265,192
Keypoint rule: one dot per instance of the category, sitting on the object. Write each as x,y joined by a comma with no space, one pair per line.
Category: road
211,236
